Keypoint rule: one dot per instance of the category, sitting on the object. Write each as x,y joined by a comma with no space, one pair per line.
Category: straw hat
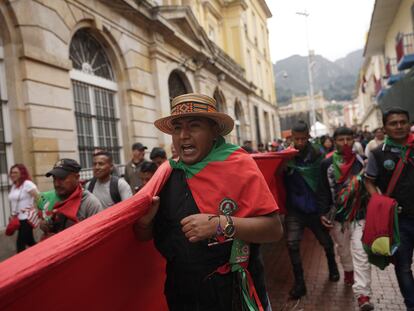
195,105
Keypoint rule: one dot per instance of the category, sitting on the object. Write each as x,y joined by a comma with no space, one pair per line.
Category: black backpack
113,188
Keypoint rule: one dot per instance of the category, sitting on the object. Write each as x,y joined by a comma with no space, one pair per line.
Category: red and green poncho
350,199
228,181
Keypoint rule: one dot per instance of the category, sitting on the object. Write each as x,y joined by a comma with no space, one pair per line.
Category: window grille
96,122
95,105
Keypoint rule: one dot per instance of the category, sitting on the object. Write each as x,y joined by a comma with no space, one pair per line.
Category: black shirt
381,165
189,265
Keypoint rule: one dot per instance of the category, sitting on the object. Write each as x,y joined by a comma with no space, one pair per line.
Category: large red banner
98,264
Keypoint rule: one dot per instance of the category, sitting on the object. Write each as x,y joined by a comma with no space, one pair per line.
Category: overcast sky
335,27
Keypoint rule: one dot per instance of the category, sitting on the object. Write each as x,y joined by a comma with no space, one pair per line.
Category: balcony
405,50
392,73
381,94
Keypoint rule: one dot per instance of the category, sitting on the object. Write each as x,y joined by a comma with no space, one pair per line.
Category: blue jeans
404,260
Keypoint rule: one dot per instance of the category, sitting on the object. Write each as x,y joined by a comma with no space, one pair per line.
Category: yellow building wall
238,31
402,23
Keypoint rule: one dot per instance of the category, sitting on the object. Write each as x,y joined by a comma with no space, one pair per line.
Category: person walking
343,200
374,143
22,196
397,151
69,203
158,156
133,167
204,228
107,188
301,180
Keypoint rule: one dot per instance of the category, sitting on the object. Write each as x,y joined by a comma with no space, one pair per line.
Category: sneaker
364,304
333,273
349,278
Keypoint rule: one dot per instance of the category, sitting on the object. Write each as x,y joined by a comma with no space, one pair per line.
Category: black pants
199,291
190,292
25,236
295,225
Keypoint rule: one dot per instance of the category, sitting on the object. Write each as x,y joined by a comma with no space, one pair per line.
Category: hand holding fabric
199,227
143,226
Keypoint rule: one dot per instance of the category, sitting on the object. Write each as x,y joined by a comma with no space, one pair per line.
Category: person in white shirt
374,143
22,197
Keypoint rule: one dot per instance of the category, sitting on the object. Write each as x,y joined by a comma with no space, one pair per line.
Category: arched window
220,100
94,92
239,122
178,84
88,56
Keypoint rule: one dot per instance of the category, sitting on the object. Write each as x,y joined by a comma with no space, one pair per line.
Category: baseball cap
63,168
157,152
138,146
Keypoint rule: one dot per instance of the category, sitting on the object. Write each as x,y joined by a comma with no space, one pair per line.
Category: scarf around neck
309,169
342,163
69,207
228,181
403,148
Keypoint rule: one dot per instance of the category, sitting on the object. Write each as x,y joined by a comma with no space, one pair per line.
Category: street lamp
310,76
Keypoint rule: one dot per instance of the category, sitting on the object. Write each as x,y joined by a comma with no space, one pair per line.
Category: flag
33,217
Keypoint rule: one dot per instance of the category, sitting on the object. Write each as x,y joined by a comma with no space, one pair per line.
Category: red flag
70,206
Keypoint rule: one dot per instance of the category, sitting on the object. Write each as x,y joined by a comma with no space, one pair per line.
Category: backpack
381,236
113,188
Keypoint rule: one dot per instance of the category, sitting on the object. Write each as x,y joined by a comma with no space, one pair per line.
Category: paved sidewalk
323,295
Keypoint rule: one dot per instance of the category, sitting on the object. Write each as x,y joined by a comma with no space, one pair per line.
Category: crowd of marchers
81,198
329,183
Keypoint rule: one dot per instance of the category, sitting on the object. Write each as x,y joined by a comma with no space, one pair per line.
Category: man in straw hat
214,202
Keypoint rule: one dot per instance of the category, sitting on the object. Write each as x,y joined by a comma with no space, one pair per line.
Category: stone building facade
299,109
386,77
76,75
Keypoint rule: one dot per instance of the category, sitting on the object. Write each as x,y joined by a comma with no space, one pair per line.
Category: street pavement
322,295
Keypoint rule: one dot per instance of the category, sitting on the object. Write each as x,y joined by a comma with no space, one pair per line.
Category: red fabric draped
97,264
268,164
70,206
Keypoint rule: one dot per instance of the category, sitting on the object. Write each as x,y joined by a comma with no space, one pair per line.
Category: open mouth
188,149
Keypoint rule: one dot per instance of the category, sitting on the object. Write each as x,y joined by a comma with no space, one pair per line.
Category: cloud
335,27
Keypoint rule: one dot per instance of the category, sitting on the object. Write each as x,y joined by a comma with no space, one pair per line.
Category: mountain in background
335,79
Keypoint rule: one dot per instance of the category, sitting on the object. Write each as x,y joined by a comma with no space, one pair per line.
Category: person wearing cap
174,154
158,155
390,171
133,167
210,214
148,170
69,203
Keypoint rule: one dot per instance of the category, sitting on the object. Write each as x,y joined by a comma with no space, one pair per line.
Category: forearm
143,227
261,229
370,186
143,233
36,195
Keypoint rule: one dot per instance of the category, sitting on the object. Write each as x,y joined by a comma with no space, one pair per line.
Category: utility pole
310,75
